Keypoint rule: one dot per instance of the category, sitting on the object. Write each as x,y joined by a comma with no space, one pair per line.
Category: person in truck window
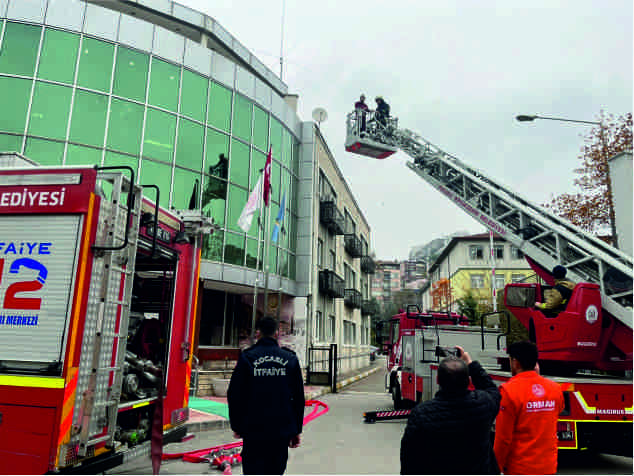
361,109
526,427
559,295
455,416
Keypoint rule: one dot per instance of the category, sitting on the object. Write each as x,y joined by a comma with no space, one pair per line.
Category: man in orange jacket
526,426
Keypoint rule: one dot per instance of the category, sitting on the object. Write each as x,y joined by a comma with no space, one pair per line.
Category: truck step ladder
100,376
546,238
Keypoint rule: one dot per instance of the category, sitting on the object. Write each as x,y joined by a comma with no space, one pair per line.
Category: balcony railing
353,298
352,245
330,284
368,307
331,217
368,266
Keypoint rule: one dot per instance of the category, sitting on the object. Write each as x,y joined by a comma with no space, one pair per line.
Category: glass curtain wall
68,98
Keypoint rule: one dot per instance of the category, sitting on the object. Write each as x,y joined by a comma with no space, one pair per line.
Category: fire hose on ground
224,456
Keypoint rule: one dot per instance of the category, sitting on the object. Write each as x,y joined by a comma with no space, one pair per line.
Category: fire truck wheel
396,397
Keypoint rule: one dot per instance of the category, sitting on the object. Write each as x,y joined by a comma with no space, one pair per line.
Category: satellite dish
319,115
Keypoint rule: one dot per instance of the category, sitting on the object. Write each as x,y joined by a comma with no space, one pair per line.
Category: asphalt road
340,443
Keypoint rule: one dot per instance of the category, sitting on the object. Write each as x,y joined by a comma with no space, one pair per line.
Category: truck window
394,328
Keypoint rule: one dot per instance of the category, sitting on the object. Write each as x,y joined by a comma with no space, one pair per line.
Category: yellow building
466,265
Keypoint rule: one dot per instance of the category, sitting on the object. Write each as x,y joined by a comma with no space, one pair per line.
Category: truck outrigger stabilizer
384,415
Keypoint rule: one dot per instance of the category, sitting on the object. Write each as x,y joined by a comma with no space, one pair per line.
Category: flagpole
267,244
257,274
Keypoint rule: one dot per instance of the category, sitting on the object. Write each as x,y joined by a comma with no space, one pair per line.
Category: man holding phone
454,414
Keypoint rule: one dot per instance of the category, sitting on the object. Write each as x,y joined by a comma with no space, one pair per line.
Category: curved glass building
80,83
166,90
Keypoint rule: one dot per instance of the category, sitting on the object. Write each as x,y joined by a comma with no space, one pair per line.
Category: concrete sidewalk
207,413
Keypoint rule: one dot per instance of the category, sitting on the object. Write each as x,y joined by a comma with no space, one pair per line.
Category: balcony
352,244
331,217
368,266
353,298
368,308
330,284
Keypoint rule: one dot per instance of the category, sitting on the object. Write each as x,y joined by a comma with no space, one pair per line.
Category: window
217,144
126,124
326,192
78,155
160,129
164,82
194,95
45,152
58,56
319,326
364,330
19,49
260,129
477,281
89,118
186,189
476,252
242,112
234,249
349,276
189,146
95,65
237,199
333,261
214,199
219,109
157,174
516,253
517,278
252,254
212,246
347,332
350,226
10,143
331,328
130,76
239,163
50,109
258,159
14,102
498,251
499,281
320,253
276,138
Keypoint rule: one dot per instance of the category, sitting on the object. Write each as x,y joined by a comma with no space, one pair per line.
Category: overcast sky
456,72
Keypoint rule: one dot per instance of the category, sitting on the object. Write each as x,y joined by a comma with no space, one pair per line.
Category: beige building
337,307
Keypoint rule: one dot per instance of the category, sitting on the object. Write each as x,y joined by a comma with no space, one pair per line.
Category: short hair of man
525,352
453,375
267,326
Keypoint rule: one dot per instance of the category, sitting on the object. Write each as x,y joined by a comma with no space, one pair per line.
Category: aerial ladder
546,239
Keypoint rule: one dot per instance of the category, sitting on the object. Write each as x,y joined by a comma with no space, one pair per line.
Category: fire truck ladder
108,312
546,238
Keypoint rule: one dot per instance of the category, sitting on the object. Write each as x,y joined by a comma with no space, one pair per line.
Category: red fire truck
587,347
98,290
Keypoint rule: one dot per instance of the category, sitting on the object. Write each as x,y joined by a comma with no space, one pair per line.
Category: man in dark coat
451,433
382,110
266,402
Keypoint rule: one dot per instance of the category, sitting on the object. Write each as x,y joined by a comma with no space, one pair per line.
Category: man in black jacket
266,402
451,434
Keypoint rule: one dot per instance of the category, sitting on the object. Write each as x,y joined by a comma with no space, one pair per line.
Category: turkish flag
267,178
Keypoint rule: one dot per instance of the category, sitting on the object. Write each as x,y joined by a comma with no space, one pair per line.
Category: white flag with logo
253,203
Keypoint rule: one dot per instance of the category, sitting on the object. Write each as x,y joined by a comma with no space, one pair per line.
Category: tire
399,404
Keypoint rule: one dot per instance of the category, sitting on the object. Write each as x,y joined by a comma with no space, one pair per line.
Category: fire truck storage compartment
147,350
25,439
35,327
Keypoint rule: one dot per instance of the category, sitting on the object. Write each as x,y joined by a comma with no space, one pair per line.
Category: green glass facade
68,98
